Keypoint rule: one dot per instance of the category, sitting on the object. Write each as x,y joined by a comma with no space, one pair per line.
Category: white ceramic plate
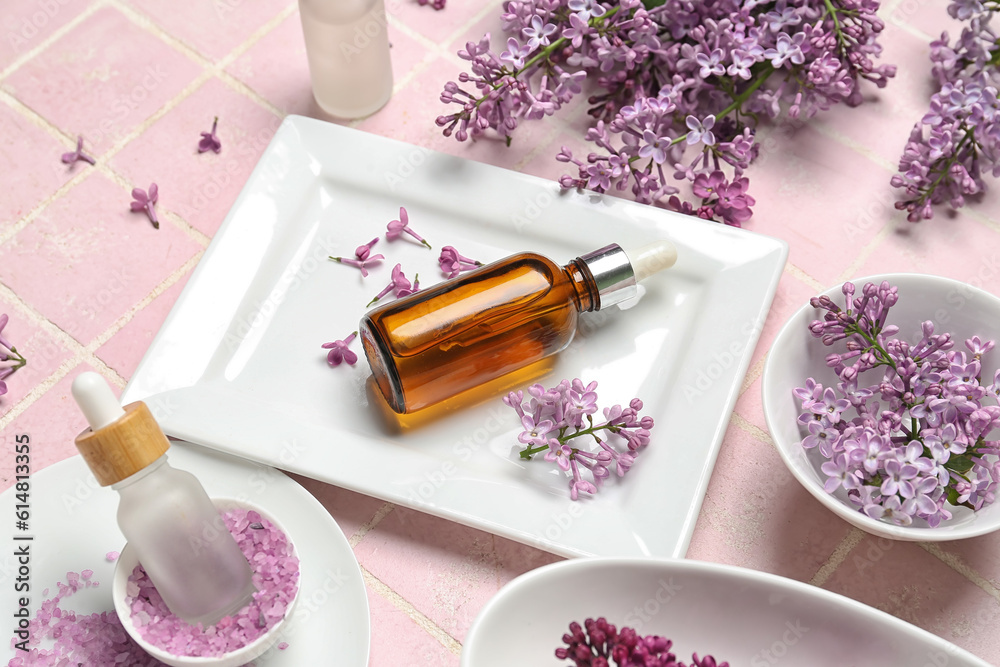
795,355
73,525
748,618
238,366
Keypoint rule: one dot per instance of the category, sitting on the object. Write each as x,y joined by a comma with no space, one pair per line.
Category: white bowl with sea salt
241,656
954,307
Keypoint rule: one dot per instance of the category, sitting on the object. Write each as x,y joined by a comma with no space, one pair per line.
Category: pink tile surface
211,28
103,79
51,424
757,515
463,567
83,268
26,24
200,187
98,260
398,640
41,350
37,174
125,349
880,573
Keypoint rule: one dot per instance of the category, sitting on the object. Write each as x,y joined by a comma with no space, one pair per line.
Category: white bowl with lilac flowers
886,411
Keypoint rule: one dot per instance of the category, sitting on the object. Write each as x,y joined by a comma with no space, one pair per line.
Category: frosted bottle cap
617,273
119,442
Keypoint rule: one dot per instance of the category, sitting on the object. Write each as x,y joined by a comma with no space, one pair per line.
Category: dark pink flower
339,351
398,227
209,140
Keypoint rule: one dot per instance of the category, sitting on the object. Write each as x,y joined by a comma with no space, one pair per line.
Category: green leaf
652,4
960,464
952,496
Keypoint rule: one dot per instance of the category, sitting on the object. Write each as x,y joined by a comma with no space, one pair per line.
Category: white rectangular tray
238,365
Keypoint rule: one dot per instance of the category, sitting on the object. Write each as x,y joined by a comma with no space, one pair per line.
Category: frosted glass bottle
347,45
165,514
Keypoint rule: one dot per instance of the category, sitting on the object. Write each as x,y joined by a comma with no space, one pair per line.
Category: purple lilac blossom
210,140
957,142
339,351
146,201
78,154
914,445
10,359
396,228
551,418
599,642
653,69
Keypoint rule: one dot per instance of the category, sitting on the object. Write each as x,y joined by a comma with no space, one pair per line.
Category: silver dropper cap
613,274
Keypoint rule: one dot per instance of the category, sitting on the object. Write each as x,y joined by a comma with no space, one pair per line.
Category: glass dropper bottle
459,334
165,514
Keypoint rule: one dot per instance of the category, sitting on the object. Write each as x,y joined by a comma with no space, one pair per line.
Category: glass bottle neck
587,293
135,477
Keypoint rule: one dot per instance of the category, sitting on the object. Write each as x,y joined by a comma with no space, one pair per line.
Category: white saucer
73,527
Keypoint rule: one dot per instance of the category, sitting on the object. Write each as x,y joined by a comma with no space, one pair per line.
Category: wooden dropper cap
118,443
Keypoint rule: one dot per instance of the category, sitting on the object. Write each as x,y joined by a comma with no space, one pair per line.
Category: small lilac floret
78,154
339,351
146,201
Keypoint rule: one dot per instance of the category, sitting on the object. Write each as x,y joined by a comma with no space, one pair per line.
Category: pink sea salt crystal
101,640
112,556
275,574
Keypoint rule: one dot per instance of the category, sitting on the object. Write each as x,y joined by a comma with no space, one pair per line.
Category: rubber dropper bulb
96,400
652,258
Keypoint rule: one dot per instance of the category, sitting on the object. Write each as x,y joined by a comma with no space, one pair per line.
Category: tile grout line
141,304
415,615
866,252
837,558
79,352
56,35
956,563
796,272
376,519
752,429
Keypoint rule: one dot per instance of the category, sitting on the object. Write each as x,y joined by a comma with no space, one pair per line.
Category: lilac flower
928,448
397,227
700,131
10,360
398,282
452,263
146,201
711,63
436,4
560,454
598,643
361,264
209,140
363,251
538,33
655,72
957,142
786,49
552,418
78,154
654,146
339,351
515,53
587,9
840,474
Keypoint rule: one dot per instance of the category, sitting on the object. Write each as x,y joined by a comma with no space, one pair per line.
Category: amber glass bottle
467,331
